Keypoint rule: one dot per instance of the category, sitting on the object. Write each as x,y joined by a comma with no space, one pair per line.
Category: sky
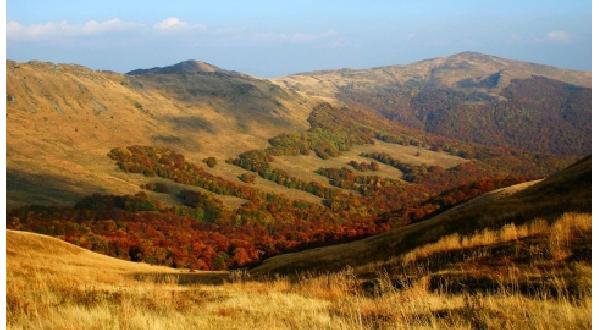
273,38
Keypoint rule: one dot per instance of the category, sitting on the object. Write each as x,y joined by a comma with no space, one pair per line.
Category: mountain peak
473,56
470,54
186,67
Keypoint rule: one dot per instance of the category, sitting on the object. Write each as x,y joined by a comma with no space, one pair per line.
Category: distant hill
63,119
470,96
567,190
186,67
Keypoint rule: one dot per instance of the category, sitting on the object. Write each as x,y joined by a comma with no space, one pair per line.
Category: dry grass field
54,285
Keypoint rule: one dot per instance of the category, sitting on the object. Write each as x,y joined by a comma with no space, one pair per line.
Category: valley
453,192
496,275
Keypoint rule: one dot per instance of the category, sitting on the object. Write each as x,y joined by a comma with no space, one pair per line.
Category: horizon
293,73
270,39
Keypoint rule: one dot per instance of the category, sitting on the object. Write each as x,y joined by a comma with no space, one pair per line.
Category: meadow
53,284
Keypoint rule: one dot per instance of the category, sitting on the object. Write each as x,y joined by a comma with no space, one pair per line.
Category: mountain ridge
190,66
459,96
585,79
67,115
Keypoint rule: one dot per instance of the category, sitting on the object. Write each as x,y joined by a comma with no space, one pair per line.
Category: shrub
210,161
248,177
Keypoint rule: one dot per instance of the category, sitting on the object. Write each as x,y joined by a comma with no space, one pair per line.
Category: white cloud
176,24
559,36
170,26
170,23
18,31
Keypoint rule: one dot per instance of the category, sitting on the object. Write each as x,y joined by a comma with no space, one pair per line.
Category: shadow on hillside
190,123
41,189
214,278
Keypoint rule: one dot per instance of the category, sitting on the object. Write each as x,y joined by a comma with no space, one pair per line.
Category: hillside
195,166
69,290
63,119
375,174
524,105
350,175
568,190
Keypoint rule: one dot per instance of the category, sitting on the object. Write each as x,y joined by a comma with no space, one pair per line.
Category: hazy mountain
470,96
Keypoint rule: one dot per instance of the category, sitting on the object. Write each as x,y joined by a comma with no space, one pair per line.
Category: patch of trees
364,166
332,130
159,187
402,139
174,237
258,161
410,172
207,208
202,234
107,203
537,114
345,178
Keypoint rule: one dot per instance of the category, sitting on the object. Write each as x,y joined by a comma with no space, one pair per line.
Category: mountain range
451,192
472,97
67,116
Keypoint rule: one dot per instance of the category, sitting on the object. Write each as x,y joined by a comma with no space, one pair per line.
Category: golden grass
52,284
559,233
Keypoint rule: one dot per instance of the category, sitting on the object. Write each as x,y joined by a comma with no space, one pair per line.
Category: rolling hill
568,190
196,166
469,96
53,284
120,164
63,119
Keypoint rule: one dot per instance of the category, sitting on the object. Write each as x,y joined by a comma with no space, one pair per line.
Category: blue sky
272,38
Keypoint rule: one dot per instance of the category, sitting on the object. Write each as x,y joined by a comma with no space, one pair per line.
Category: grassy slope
568,190
52,284
63,119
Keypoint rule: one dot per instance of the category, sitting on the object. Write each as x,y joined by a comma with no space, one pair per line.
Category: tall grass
52,285
559,232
